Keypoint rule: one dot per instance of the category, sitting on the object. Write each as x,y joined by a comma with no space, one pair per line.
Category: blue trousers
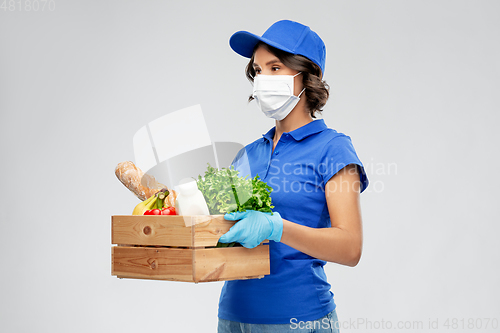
328,323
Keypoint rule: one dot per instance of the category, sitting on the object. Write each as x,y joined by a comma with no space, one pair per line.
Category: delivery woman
316,178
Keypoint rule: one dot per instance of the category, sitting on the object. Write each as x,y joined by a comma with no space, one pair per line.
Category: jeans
328,323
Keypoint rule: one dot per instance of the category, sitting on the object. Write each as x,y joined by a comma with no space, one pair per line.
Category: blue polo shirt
298,169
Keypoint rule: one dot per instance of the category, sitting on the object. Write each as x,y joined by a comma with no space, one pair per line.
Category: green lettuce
226,192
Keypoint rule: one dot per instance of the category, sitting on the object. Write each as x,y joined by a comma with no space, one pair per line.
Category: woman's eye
275,69
257,70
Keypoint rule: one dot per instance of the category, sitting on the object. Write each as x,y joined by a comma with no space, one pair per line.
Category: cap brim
243,43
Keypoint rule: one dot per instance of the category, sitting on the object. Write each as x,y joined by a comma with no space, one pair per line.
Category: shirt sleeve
337,154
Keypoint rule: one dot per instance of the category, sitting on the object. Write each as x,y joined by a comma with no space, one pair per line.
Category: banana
145,205
155,201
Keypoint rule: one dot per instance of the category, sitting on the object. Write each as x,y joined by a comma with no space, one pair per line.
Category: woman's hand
253,228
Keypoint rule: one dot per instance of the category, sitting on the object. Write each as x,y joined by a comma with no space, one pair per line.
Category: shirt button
276,152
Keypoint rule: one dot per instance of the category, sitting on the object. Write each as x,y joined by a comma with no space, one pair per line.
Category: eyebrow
269,62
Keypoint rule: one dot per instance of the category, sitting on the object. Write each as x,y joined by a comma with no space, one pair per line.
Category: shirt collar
300,133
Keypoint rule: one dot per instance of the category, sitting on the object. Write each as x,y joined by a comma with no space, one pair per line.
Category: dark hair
317,90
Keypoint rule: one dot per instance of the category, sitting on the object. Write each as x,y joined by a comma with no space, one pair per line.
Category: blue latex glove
253,228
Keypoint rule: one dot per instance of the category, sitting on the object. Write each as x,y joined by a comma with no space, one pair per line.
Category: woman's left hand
253,228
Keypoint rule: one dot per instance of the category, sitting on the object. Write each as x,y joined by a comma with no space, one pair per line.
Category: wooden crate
181,248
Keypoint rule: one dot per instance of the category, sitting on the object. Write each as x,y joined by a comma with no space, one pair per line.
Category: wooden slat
217,264
208,233
190,265
152,263
150,230
168,230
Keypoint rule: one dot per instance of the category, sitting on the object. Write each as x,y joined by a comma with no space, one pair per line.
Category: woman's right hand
253,228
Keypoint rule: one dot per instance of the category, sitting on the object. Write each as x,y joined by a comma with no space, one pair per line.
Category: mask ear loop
302,89
301,92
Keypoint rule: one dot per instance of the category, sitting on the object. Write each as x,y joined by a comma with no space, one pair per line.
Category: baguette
170,199
133,178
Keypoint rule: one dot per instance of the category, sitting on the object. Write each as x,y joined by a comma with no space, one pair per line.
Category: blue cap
288,36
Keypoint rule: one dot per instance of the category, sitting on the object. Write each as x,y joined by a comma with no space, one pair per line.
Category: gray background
414,83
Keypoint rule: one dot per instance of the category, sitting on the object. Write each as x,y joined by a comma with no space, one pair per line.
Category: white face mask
274,95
